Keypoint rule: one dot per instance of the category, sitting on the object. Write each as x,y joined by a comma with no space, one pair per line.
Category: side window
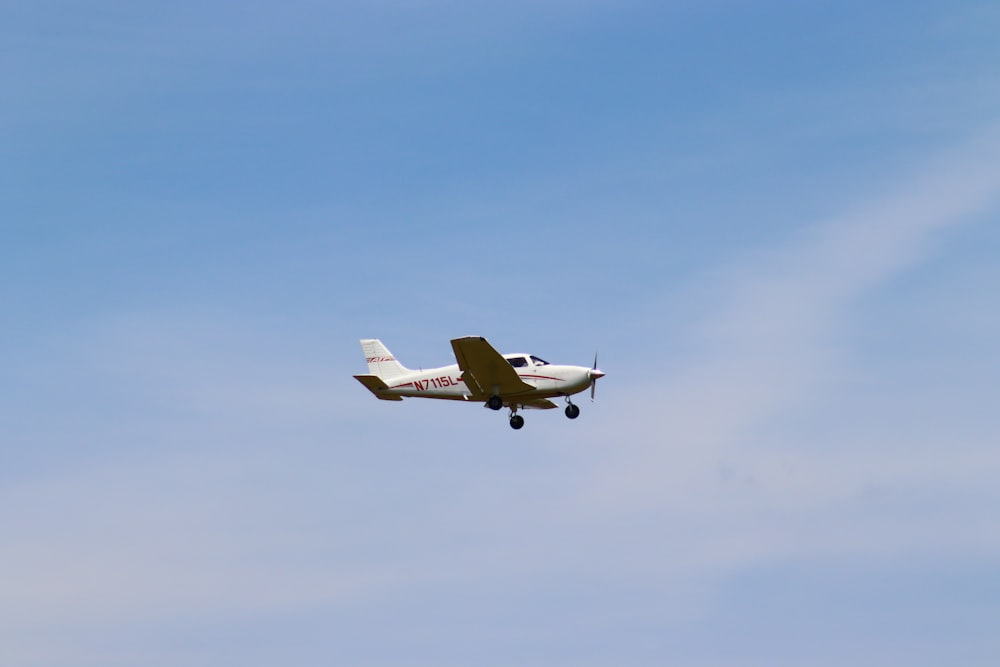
518,362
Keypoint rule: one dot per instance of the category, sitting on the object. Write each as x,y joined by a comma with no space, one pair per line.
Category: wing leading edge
484,371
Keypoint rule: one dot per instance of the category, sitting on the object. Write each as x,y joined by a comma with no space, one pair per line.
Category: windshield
539,362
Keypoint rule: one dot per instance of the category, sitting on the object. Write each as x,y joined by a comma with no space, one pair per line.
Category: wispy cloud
703,442
686,447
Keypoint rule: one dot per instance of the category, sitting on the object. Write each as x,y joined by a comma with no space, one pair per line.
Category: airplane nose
595,373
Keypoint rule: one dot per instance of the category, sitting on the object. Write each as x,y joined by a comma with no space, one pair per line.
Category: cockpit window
518,362
539,362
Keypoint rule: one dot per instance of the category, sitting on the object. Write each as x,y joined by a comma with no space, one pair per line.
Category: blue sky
776,221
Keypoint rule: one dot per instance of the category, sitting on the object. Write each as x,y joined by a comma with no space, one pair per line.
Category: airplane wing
484,370
540,404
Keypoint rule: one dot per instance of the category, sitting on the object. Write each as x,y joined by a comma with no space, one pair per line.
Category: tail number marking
435,383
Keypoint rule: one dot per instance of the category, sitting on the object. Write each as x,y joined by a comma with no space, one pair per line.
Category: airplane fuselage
548,381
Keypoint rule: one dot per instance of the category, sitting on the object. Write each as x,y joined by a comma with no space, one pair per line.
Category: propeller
594,375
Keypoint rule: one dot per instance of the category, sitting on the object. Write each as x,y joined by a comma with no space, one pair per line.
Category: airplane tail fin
380,359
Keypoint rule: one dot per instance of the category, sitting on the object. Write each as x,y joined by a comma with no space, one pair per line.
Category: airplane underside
517,421
538,400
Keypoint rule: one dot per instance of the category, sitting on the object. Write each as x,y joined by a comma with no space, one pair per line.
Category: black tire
516,422
495,403
572,411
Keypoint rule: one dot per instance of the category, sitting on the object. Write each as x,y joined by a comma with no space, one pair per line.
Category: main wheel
495,403
572,411
516,422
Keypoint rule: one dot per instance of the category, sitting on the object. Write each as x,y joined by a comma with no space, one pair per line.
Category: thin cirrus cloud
745,452
706,441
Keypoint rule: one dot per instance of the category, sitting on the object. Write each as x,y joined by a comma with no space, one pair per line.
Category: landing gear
495,403
516,420
572,411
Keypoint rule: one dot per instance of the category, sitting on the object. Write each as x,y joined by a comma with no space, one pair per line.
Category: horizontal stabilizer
378,387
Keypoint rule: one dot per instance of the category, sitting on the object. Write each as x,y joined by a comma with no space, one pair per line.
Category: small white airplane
481,374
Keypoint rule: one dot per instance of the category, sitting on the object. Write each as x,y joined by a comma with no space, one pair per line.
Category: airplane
482,374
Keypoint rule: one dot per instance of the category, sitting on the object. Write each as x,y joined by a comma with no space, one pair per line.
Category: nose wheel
572,411
516,420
